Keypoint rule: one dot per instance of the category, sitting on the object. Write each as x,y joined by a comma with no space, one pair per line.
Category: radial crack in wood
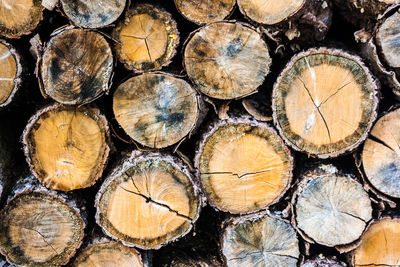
227,60
10,73
93,13
148,202
380,245
76,66
105,254
330,208
66,147
19,17
205,11
146,39
381,155
40,229
260,240
324,102
243,166
156,110
269,11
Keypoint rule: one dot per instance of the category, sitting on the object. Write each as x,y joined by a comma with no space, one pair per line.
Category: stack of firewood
199,133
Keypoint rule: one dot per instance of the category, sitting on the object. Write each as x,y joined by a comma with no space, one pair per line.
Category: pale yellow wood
270,11
109,254
380,245
205,11
8,72
67,147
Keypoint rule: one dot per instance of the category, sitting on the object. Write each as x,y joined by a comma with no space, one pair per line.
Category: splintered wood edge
39,64
173,29
30,185
133,158
328,261
334,52
27,31
101,242
230,223
298,11
352,252
18,74
210,130
244,24
54,107
201,23
305,178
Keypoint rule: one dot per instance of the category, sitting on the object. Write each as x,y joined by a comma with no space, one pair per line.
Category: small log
227,60
380,245
380,159
93,14
387,38
259,106
204,11
260,240
155,109
290,23
103,253
147,202
322,261
40,227
19,17
330,208
324,102
146,39
76,66
10,73
66,146
243,166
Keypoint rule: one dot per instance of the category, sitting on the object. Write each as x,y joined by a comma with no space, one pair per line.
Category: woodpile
204,133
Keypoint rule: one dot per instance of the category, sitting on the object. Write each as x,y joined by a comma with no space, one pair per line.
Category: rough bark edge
335,52
351,255
305,178
131,159
39,65
103,241
230,223
60,9
18,78
31,185
126,17
244,24
25,143
253,111
293,14
328,260
27,32
210,130
197,22
202,111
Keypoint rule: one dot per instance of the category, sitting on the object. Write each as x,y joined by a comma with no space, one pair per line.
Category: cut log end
260,240
243,166
380,156
146,39
227,60
156,110
19,17
93,14
269,11
108,254
76,66
388,38
40,229
204,11
325,102
380,245
66,147
10,73
148,203
330,208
